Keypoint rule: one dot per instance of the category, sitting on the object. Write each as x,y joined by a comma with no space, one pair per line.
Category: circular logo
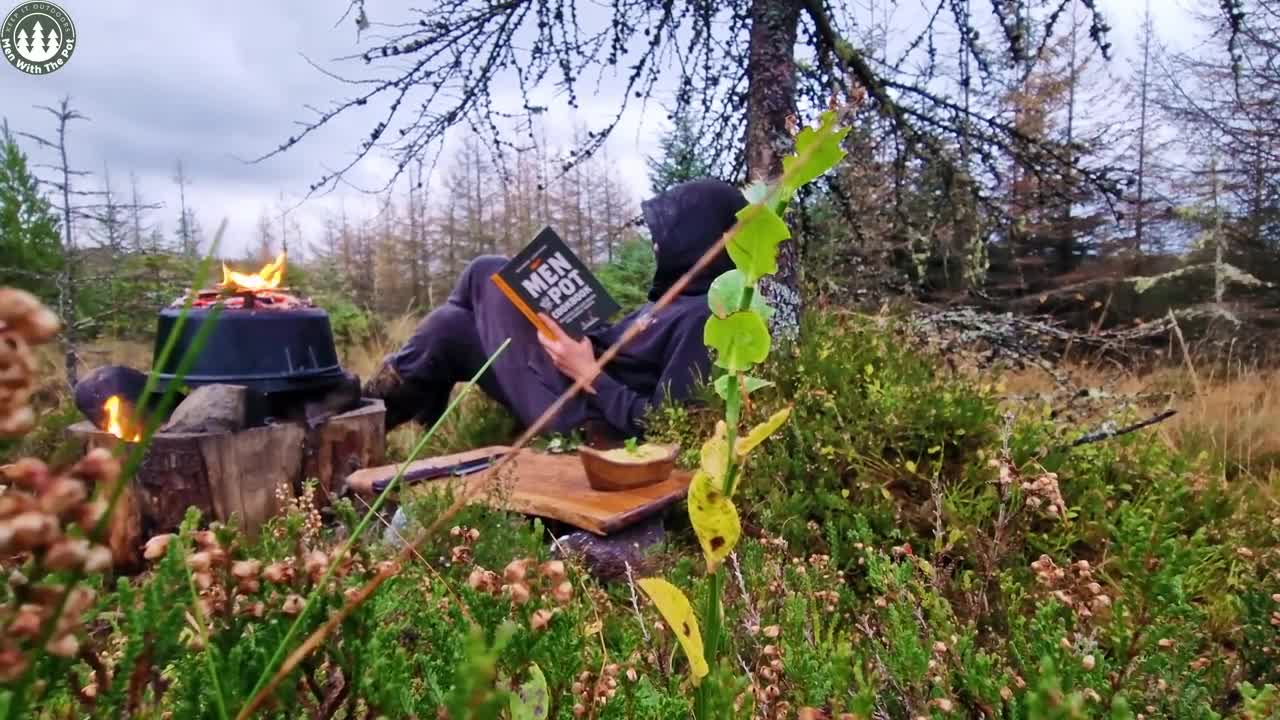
37,37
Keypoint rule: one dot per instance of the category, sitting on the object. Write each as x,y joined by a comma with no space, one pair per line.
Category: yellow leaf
761,431
594,628
911,466
715,520
715,455
675,609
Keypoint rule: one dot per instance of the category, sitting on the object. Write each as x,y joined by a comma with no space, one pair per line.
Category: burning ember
268,278
117,420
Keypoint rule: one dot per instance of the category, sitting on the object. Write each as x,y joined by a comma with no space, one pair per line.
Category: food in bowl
637,455
630,467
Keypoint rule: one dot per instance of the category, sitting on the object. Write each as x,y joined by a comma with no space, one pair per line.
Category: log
233,476
341,445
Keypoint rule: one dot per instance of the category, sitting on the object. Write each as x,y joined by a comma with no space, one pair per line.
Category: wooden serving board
545,485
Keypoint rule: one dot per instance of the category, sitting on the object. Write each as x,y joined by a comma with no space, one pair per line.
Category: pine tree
139,229
683,156
30,248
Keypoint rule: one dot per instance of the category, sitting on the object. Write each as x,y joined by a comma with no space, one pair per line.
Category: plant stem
711,645
713,615
209,650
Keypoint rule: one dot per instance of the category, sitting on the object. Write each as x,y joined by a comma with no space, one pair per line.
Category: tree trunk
771,73
67,283
1140,210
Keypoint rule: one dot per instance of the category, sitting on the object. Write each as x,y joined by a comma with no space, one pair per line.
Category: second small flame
117,420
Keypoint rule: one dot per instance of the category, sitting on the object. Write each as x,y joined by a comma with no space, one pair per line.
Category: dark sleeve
687,361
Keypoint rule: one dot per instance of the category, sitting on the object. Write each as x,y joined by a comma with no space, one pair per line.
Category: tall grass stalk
360,528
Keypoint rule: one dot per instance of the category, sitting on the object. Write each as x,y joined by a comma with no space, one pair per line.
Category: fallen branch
1108,432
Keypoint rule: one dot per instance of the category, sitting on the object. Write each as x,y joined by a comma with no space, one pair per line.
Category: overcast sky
213,83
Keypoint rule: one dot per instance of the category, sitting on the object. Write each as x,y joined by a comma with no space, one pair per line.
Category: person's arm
686,362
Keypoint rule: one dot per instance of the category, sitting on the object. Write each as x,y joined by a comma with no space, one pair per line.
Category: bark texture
771,70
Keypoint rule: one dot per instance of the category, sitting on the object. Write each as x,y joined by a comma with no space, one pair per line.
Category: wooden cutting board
544,485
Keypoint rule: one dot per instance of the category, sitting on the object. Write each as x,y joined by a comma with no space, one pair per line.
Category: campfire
271,342
250,290
264,406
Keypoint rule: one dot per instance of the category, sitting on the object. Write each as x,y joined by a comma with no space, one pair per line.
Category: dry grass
1233,415
364,358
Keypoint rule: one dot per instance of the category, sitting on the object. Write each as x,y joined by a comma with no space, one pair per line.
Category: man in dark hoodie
665,360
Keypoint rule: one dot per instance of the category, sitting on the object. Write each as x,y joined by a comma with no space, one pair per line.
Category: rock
210,409
94,388
607,557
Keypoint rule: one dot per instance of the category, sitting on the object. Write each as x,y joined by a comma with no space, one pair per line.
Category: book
546,277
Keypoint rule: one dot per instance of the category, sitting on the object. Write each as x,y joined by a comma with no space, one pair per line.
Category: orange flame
268,278
116,420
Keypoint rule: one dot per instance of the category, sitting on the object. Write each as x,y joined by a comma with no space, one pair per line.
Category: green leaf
725,296
741,340
754,246
817,151
749,384
531,701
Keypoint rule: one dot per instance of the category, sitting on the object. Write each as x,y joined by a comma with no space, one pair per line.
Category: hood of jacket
684,221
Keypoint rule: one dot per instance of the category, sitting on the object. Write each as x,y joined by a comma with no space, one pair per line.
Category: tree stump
236,475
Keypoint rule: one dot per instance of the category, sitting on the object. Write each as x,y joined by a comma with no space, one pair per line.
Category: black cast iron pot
281,355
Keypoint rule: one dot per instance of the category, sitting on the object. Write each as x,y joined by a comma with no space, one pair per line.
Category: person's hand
574,358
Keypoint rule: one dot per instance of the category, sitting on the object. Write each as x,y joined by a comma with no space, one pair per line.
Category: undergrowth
913,548
969,558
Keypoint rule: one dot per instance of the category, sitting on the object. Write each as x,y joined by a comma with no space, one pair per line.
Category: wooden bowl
609,475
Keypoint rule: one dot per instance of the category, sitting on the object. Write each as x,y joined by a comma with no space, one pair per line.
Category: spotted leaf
714,518
532,701
676,611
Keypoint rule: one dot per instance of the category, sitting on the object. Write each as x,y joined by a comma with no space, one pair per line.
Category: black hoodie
669,356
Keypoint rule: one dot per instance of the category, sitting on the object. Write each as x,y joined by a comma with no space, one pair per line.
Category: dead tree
70,205
440,66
